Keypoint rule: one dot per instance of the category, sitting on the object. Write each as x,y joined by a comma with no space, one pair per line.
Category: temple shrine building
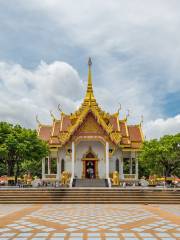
91,143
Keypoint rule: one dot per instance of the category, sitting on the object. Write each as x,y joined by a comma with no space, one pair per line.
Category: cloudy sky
135,49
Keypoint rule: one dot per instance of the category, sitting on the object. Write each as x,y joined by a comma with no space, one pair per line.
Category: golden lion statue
64,178
115,178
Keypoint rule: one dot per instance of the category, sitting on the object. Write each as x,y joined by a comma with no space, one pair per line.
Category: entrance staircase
90,183
89,195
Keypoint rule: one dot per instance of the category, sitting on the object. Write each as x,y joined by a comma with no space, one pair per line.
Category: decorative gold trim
118,124
131,150
90,151
141,132
90,138
54,145
88,159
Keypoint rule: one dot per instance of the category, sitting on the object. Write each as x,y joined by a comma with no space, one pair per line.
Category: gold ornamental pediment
90,125
90,154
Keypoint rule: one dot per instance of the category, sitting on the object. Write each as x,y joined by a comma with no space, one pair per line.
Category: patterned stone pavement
93,222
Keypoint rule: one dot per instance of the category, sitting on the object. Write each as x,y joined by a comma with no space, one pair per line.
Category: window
53,165
126,162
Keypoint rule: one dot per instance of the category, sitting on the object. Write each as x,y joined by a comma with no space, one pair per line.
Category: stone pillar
49,165
43,167
73,159
137,169
107,160
121,168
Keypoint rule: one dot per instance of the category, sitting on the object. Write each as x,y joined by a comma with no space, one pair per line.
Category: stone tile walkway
93,222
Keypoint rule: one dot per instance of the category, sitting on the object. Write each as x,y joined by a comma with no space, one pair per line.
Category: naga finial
60,109
52,115
37,120
127,115
119,108
142,120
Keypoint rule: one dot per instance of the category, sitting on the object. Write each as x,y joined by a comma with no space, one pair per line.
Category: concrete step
89,202
73,195
90,183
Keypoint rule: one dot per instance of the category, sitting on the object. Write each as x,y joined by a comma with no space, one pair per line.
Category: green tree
18,145
162,156
5,131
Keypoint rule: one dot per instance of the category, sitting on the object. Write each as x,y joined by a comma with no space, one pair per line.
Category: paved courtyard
93,222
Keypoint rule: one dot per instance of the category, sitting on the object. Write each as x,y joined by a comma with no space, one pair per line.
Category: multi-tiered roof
62,130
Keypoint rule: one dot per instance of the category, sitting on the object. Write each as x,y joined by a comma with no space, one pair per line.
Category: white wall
98,148
117,155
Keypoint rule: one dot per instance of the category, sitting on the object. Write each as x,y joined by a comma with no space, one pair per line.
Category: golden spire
89,91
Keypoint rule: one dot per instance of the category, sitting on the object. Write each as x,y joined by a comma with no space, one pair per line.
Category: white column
137,169
73,159
121,168
49,165
107,160
43,168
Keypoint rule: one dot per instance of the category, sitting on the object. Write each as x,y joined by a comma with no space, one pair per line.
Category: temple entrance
90,169
90,165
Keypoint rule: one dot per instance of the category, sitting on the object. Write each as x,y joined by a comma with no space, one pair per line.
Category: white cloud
160,127
134,43
135,47
25,93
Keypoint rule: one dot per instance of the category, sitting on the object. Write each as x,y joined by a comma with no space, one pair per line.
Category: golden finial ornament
89,61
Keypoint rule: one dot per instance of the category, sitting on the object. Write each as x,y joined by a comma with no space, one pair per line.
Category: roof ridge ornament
52,116
127,115
37,120
60,109
142,120
119,108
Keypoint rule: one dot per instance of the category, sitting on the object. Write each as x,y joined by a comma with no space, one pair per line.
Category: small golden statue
115,179
25,178
29,178
153,180
64,178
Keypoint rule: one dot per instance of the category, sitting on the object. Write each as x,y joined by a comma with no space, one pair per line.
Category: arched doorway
90,164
